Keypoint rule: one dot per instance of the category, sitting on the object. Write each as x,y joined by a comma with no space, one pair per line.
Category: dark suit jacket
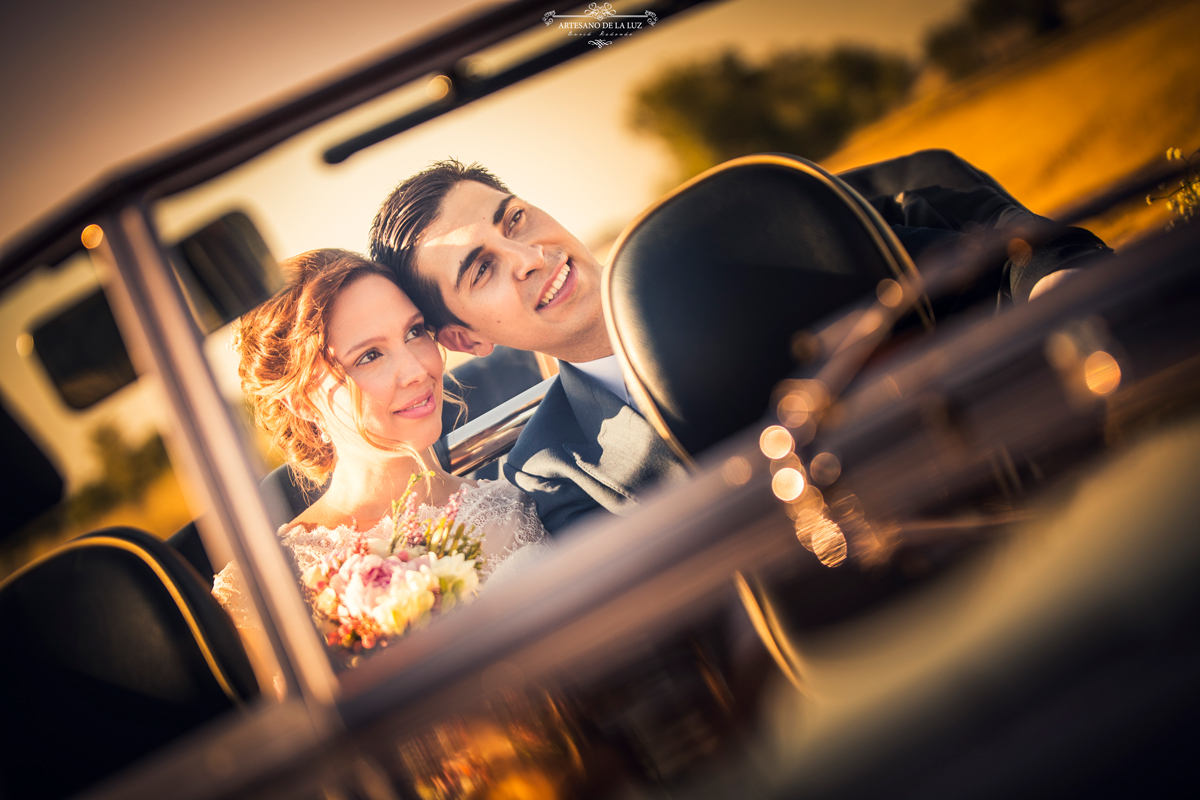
584,449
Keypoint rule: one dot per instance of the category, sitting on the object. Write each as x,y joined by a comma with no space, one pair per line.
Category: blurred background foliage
991,30
810,102
798,101
136,486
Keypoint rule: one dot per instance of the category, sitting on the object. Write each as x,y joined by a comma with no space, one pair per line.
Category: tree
798,102
987,30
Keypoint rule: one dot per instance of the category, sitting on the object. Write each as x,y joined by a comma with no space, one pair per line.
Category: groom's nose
527,259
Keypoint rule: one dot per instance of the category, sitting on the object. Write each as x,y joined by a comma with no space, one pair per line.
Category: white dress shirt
607,372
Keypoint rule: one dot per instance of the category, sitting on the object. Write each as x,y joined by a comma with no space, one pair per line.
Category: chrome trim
492,435
151,313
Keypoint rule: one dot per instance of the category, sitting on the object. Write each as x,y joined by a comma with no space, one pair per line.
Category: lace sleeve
230,591
505,516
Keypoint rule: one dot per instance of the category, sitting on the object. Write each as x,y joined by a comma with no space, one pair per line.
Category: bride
341,371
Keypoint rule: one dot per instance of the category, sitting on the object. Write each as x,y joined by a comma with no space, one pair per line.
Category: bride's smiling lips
558,287
421,408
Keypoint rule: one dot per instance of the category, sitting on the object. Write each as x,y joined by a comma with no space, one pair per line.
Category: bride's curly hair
284,356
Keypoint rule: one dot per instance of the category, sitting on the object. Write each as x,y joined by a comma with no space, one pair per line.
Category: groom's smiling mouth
559,286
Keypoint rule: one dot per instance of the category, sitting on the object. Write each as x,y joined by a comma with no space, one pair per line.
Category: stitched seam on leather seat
121,544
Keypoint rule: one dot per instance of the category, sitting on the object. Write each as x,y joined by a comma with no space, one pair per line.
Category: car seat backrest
706,289
113,647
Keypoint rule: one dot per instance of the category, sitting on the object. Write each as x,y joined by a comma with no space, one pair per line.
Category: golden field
1069,119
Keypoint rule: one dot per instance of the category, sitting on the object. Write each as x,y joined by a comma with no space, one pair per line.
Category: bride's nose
409,369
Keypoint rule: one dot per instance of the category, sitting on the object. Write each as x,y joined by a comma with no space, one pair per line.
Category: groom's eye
484,266
516,217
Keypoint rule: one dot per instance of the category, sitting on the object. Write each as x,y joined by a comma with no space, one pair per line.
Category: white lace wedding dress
505,516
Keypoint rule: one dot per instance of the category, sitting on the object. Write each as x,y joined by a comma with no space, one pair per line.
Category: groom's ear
464,340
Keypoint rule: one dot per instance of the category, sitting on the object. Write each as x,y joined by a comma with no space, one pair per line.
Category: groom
489,268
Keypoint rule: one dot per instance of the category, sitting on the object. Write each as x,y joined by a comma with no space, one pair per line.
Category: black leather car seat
113,647
706,288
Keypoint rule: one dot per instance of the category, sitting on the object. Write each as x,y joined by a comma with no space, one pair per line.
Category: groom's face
514,275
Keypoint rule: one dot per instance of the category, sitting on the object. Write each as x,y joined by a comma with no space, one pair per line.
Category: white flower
455,575
380,546
405,604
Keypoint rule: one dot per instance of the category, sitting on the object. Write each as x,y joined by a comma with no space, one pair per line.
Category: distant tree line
797,102
128,470
988,30
807,102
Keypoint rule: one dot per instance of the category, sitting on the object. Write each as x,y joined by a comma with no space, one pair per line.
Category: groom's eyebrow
500,209
466,263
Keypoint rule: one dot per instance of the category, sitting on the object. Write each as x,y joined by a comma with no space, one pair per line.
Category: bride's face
379,338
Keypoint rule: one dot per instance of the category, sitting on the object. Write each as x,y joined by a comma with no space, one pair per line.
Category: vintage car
924,550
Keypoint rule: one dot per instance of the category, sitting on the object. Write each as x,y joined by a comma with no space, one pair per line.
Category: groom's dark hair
407,212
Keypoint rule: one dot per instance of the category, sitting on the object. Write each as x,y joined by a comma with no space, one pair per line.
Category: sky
87,86
91,84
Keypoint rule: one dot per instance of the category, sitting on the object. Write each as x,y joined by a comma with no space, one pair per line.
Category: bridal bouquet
376,588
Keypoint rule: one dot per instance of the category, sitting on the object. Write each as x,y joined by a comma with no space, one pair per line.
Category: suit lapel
620,449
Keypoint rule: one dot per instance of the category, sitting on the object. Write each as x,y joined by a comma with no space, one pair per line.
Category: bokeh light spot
776,442
1102,373
828,543
438,87
92,236
793,409
889,292
1061,351
24,345
788,484
736,471
825,468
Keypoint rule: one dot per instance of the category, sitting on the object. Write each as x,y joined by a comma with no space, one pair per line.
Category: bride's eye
416,331
367,357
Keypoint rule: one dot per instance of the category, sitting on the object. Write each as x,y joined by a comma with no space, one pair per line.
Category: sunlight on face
379,338
514,275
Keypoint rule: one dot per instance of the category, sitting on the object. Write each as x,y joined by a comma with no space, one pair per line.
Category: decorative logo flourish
600,12
600,43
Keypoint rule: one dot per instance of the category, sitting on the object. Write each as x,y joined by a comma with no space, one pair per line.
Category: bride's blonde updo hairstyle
284,355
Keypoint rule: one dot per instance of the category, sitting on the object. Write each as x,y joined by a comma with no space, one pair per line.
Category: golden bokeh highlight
775,442
1102,373
92,236
438,87
736,471
788,484
793,409
825,468
24,345
1061,351
822,536
828,542
797,401
889,292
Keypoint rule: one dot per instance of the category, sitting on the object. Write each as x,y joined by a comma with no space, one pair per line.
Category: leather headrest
706,289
